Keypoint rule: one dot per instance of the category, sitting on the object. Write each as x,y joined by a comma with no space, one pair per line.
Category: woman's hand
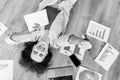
37,27
38,32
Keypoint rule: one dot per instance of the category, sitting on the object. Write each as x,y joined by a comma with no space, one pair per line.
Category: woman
37,48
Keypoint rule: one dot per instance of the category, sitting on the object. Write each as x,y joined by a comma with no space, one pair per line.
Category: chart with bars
98,31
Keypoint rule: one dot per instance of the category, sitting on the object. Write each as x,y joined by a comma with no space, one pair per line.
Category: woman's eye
39,47
35,52
41,55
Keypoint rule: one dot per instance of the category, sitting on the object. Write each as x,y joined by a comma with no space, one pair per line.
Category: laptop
60,73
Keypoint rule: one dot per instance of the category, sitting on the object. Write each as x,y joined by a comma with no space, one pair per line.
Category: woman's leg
60,23
67,5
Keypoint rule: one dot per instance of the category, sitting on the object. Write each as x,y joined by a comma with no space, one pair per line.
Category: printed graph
98,31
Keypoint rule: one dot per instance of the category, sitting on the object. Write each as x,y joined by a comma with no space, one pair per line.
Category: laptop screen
60,73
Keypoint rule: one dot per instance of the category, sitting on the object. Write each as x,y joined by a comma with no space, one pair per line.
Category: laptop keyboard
62,78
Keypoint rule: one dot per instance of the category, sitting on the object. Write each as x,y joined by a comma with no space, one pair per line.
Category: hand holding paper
39,17
37,27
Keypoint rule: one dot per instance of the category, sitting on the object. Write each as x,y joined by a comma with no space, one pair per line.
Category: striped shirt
58,19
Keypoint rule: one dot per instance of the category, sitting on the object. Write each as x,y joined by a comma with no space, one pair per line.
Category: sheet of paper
70,49
39,17
87,74
79,52
107,56
98,31
6,69
67,50
3,28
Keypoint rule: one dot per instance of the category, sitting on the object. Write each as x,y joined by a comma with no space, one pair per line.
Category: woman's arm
16,38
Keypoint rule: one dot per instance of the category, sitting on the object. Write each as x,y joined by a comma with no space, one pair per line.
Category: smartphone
75,60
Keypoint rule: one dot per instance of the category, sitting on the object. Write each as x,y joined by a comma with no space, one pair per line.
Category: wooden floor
106,12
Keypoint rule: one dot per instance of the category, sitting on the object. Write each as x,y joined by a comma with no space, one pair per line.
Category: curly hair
31,65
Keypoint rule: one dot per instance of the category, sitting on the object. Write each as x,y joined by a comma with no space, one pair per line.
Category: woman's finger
38,26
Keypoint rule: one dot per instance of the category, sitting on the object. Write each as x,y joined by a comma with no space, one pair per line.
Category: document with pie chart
87,74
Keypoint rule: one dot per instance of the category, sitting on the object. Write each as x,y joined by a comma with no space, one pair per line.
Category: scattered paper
39,17
67,50
3,28
79,52
6,69
107,56
70,49
3,66
98,31
87,74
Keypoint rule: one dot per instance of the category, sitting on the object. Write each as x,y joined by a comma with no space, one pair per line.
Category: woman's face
39,52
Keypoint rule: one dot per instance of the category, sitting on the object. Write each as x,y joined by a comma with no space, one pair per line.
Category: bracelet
69,38
12,35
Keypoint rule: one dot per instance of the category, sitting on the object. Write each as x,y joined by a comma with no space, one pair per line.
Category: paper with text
98,31
6,69
87,74
39,17
3,28
107,56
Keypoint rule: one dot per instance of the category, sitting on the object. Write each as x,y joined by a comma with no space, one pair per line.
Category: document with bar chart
98,31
